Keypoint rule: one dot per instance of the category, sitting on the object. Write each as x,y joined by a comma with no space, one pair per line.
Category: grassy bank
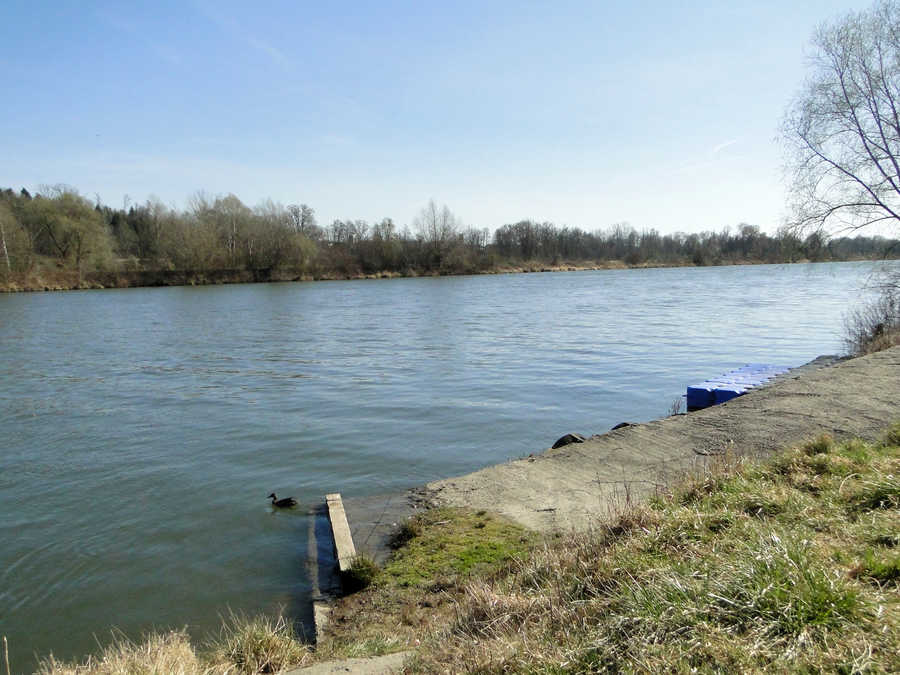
790,564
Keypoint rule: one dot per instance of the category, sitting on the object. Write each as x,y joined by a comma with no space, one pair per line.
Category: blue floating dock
732,384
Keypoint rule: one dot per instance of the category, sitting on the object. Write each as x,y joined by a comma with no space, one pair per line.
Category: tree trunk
3,246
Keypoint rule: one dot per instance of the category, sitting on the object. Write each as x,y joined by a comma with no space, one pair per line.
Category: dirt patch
575,486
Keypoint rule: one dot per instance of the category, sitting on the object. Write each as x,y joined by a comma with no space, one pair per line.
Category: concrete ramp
575,486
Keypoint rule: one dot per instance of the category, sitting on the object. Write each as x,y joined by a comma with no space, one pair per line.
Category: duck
284,503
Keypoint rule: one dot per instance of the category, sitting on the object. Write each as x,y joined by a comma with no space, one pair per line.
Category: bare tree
232,222
843,128
437,227
303,220
4,215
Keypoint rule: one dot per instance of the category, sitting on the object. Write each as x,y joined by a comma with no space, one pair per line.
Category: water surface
141,429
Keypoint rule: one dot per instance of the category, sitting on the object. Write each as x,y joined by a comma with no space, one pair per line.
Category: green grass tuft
882,492
761,507
886,539
856,450
455,541
879,567
820,445
780,586
362,573
408,530
892,436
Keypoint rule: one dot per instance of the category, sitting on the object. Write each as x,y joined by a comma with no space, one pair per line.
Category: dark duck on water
285,503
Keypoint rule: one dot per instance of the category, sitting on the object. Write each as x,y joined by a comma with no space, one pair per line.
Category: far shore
53,279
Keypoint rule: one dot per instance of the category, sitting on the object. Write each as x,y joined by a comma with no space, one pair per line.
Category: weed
886,539
892,436
821,445
875,325
881,493
258,644
783,588
636,518
879,568
676,407
760,507
409,529
856,451
719,522
362,573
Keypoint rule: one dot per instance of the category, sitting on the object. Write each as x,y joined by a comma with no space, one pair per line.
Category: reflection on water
142,429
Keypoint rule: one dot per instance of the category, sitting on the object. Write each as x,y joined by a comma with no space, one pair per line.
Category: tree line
59,229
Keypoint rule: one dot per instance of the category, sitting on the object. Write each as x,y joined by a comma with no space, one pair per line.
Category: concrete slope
574,486
377,665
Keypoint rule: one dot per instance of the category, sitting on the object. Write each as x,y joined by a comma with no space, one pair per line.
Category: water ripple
143,428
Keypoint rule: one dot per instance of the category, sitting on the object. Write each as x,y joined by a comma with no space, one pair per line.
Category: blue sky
660,114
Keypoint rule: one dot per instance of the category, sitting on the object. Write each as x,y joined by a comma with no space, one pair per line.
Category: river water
141,429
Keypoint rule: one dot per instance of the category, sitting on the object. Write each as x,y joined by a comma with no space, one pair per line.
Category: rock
621,425
568,439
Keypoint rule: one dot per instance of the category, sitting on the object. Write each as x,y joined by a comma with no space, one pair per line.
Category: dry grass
789,565
255,644
158,653
875,326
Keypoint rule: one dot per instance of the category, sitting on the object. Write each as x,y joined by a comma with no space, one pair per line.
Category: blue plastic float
732,384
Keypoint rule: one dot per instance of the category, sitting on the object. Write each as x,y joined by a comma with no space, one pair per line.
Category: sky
663,115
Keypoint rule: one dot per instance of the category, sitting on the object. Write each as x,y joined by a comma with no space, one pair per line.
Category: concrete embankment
578,485
574,486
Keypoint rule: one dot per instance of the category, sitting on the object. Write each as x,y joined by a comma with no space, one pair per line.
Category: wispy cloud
275,54
229,25
708,159
721,146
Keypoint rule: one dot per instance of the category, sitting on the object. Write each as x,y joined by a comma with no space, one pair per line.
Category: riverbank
589,502
785,564
67,280
53,278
